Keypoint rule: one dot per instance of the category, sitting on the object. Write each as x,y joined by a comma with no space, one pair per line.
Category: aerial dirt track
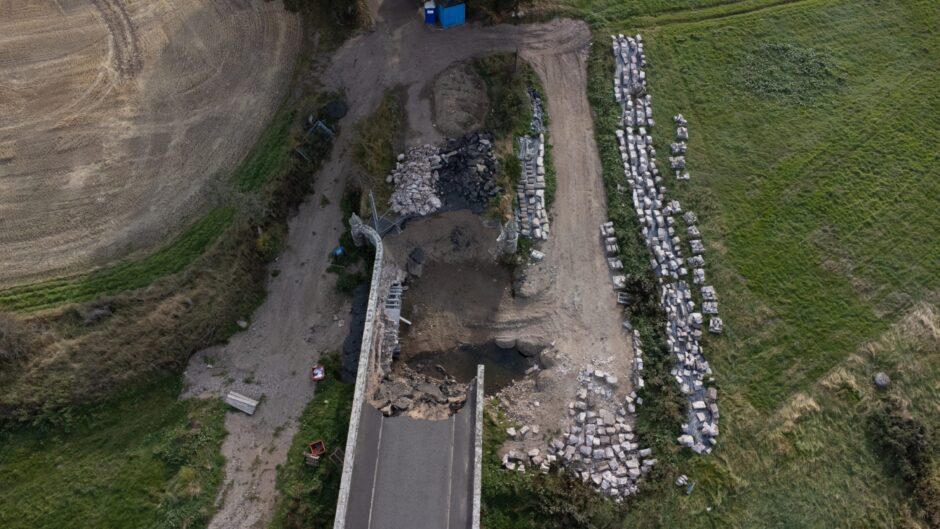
298,320
115,113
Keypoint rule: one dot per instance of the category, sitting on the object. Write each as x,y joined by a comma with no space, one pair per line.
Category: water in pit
501,366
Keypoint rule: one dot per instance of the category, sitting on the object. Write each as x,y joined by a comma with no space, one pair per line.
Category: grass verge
176,256
507,77
144,459
308,495
380,141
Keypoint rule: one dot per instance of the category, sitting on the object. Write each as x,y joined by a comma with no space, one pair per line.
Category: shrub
270,242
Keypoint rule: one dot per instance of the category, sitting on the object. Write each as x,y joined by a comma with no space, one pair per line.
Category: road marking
375,473
450,468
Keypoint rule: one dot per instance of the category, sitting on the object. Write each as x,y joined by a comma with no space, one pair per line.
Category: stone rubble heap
638,382
697,262
538,113
515,460
679,148
462,174
405,389
600,447
683,332
659,228
530,191
466,169
612,251
415,179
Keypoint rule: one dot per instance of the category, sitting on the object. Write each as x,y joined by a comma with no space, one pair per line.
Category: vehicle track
125,55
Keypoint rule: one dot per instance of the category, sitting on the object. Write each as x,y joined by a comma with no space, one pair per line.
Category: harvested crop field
117,113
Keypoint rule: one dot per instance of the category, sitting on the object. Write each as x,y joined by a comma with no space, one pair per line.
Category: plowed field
114,114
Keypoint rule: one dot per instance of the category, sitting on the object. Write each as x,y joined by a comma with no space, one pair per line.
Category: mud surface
460,102
115,114
502,366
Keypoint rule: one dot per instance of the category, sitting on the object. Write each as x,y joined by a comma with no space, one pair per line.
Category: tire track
125,53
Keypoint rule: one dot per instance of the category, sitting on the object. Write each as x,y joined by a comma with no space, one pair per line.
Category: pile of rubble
466,169
659,228
612,251
405,390
697,262
679,148
683,332
599,447
537,124
515,460
638,382
415,178
530,191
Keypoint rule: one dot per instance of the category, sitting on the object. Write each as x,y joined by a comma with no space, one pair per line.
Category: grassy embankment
308,495
380,140
507,78
174,257
814,140
144,460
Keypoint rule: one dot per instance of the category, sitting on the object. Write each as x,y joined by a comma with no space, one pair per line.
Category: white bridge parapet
361,232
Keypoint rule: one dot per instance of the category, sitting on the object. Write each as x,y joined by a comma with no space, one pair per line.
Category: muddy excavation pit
502,366
454,302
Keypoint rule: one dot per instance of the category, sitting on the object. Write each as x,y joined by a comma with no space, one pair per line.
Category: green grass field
380,140
129,275
814,140
144,460
269,156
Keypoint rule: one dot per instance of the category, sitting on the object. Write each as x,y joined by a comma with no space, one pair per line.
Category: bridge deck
414,474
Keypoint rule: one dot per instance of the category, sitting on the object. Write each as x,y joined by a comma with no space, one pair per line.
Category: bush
506,77
270,242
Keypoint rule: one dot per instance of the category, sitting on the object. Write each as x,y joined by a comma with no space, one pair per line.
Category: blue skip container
451,13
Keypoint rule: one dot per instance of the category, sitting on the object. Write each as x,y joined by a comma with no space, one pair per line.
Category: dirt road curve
280,346
114,114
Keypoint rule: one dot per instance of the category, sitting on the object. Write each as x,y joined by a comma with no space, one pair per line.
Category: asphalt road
414,474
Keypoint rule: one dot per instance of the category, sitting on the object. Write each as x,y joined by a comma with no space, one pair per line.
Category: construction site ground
117,114
568,301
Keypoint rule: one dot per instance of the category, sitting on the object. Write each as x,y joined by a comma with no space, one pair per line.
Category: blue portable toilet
430,12
451,12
